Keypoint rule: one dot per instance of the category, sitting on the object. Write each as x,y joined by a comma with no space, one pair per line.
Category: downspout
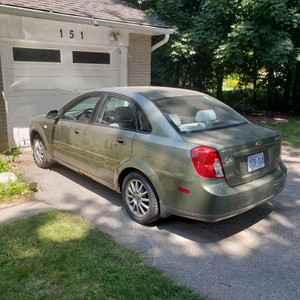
162,42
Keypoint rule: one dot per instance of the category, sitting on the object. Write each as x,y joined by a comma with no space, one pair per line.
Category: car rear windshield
198,113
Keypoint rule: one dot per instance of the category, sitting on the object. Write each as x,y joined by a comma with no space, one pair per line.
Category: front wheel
139,198
40,153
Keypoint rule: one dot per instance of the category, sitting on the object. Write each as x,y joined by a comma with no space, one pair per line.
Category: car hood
236,144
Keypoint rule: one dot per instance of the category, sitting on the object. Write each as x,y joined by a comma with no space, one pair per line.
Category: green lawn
288,130
57,255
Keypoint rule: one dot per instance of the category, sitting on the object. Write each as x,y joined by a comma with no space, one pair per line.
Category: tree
263,39
199,27
259,40
209,30
294,64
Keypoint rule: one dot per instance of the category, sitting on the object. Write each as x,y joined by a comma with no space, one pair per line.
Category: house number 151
70,34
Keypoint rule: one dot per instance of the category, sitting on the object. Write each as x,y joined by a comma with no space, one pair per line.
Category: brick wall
139,60
3,125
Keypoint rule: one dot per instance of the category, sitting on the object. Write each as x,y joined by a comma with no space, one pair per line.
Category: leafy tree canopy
258,40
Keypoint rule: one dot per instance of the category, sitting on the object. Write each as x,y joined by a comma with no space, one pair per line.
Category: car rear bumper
217,201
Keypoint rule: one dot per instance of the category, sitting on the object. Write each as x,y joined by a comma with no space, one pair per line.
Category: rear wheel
139,198
40,153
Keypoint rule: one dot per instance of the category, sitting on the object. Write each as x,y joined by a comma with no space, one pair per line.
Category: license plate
256,162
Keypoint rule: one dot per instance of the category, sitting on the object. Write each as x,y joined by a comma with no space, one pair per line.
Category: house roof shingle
104,10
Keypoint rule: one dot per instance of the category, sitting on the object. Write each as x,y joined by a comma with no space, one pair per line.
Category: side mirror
52,114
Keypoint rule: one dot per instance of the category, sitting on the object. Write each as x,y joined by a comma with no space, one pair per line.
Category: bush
12,190
4,166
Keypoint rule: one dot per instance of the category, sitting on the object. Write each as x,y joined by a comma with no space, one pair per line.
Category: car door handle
120,141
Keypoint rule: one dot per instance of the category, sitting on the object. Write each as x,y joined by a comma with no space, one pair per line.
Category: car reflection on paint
168,151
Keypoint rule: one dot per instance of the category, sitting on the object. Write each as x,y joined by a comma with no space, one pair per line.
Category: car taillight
207,162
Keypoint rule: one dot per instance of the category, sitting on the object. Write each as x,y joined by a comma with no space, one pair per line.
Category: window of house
80,57
36,55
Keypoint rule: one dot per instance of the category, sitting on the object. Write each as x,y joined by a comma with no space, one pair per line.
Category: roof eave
151,30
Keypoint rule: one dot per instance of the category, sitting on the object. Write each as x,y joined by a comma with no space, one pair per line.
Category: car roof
152,92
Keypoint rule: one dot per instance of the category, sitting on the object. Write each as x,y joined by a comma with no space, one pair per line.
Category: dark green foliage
261,46
258,40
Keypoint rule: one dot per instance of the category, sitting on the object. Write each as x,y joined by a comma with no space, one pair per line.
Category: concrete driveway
252,256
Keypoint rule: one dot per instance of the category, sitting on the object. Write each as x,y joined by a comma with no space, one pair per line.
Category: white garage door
38,78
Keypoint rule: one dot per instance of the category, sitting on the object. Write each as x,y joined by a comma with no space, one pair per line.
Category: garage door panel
21,80
85,83
45,83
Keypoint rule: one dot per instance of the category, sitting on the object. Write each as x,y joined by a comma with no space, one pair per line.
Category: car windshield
198,113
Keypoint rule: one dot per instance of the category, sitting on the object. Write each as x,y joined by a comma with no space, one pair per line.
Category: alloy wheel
137,198
39,151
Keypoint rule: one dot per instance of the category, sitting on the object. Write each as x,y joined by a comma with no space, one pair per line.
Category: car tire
140,199
40,153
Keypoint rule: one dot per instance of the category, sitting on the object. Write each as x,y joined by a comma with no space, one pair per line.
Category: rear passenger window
117,113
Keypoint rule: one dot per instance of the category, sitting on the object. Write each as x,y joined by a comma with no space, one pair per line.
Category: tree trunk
201,85
254,76
270,87
177,75
220,77
287,89
255,90
296,90
185,76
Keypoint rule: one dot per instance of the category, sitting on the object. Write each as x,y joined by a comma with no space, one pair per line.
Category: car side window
117,113
143,122
81,111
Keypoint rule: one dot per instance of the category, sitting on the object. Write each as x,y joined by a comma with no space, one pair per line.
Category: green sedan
168,151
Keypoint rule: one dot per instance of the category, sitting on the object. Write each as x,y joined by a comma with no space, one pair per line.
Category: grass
288,128
57,255
12,191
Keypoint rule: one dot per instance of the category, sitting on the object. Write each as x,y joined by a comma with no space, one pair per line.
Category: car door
69,131
108,140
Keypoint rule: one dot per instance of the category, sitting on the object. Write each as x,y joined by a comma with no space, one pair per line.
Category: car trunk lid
247,151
